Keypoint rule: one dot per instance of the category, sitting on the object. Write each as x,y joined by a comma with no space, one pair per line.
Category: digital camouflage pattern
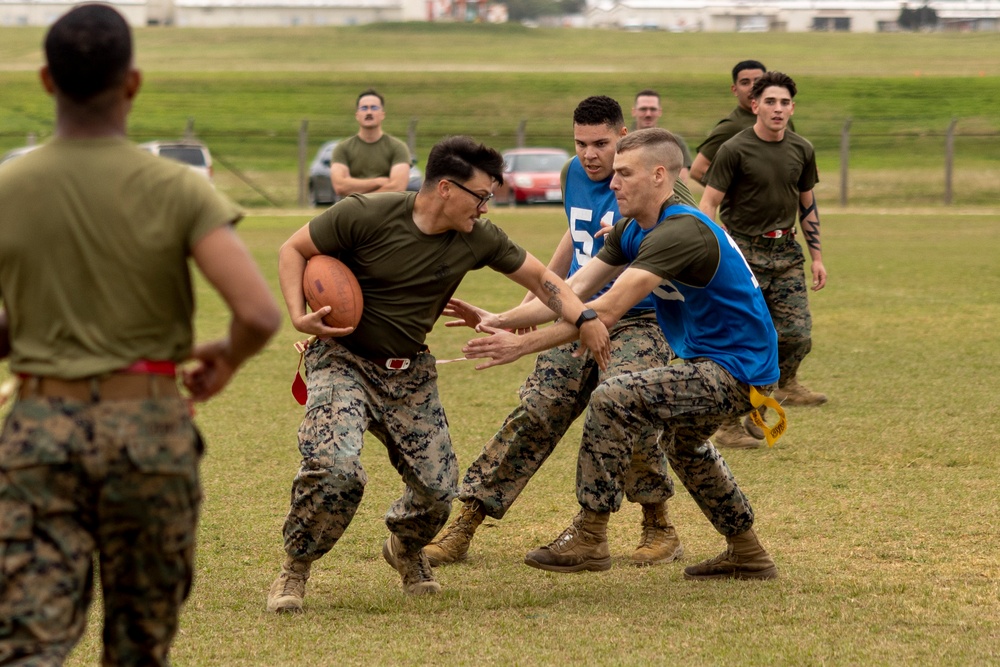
553,396
688,400
118,479
347,396
779,266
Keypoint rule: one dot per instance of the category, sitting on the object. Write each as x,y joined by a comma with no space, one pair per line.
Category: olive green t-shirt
738,120
95,236
406,276
762,181
371,160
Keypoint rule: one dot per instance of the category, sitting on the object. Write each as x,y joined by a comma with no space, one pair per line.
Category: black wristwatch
586,316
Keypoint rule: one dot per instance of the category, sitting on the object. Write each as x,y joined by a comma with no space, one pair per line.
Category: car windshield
187,154
537,162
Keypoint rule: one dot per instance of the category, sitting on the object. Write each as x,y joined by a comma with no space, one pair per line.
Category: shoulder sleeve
495,249
681,247
612,252
400,152
724,166
685,152
211,209
718,136
340,155
810,172
336,228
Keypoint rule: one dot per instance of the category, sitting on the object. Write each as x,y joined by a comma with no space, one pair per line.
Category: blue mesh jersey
590,205
726,321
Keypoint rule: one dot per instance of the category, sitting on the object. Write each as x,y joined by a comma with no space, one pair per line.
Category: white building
783,15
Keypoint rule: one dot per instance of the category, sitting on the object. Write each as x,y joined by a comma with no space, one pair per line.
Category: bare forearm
291,266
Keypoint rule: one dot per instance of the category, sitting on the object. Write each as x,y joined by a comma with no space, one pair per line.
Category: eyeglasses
483,199
370,107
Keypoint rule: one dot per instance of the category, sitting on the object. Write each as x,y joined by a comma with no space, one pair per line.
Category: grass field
880,508
248,91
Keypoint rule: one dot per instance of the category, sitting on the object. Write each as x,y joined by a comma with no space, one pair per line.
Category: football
328,282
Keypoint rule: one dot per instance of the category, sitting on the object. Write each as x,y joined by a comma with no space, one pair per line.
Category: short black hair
599,110
370,91
647,93
88,51
459,157
747,64
773,79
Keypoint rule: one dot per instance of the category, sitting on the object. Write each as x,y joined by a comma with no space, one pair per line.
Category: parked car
321,188
18,152
531,176
192,153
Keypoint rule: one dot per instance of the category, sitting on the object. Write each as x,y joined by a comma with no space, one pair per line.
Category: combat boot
751,428
413,567
744,558
798,395
452,545
732,436
659,543
582,546
288,590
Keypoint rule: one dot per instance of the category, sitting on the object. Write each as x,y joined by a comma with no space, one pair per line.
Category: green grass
248,91
880,508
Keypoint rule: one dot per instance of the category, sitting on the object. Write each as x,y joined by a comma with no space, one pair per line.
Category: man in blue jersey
556,393
712,313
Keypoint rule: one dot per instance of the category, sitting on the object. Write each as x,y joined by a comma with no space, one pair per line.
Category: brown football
328,282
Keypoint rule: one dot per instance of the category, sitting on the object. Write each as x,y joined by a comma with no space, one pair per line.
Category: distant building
783,15
672,15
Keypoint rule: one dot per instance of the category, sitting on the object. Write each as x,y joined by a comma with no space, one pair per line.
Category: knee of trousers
340,477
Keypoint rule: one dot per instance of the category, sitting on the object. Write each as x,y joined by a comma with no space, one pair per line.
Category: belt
392,363
143,379
778,233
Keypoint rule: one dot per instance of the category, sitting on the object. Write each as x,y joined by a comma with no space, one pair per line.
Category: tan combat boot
798,395
288,590
744,558
452,545
582,546
659,543
413,567
732,436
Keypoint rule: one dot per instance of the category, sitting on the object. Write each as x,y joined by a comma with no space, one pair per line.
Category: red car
531,176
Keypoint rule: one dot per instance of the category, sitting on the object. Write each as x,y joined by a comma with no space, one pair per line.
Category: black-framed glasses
483,199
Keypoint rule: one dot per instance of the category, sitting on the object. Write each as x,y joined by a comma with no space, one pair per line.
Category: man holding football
409,252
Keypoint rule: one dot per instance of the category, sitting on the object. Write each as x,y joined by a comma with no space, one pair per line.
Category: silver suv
192,153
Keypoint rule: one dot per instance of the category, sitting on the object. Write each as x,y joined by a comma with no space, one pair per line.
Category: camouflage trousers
779,266
688,400
552,397
118,479
349,395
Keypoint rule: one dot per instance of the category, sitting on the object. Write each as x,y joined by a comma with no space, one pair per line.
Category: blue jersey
590,205
726,321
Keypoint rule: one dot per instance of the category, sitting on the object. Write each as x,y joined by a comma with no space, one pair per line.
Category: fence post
521,133
411,138
303,156
845,152
31,139
189,128
949,160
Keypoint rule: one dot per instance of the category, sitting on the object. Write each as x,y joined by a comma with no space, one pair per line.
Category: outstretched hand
500,347
467,315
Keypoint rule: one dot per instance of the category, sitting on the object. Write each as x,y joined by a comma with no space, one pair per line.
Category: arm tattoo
810,228
554,302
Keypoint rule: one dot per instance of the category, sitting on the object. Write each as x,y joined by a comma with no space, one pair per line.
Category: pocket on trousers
170,449
318,397
35,435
